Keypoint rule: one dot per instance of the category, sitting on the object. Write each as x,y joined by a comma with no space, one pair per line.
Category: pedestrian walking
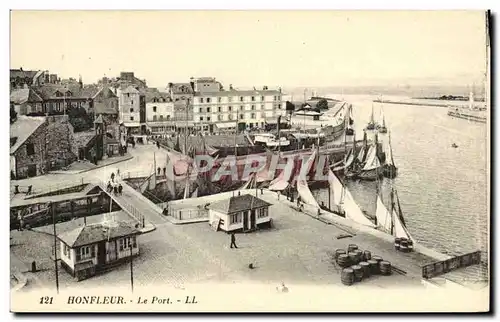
109,188
115,190
117,172
120,189
233,241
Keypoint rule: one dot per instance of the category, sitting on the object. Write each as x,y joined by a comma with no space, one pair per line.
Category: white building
217,109
91,248
129,107
159,112
239,213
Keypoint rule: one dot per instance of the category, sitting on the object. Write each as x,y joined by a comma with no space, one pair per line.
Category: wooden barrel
366,269
397,242
353,257
347,276
385,268
367,255
403,246
358,273
339,252
410,245
343,260
377,258
374,269
359,255
352,247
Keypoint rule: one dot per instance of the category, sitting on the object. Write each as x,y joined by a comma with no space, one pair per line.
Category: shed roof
239,203
94,233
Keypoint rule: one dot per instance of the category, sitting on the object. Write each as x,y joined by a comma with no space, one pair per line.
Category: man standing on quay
233,241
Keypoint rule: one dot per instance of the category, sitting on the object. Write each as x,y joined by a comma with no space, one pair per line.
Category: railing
131,210
46,189
186,214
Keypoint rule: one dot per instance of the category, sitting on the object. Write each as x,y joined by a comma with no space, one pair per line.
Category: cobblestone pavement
298,250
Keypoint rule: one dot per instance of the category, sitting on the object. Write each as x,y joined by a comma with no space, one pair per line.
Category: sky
254,48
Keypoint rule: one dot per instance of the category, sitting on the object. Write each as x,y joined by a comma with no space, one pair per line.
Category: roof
23,95
91,234
82,139
130,90
176,88
152,93
23,73
240,93
239,203
48,91
23,128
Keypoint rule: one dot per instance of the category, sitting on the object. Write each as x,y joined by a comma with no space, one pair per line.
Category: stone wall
59,142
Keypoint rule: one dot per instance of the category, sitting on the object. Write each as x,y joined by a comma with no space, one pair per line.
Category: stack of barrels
403,244
358,265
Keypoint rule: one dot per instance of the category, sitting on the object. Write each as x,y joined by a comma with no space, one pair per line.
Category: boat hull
469,117
368,175
390,171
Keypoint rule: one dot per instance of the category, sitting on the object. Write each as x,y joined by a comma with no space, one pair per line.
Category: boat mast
392,211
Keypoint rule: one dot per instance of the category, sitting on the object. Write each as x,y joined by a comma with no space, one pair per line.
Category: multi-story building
218,110
132,109
159,112
20,77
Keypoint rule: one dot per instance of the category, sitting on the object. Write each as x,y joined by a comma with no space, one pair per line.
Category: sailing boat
349,131
302,187
372,168
344,201
382,128
389,169
371,123
391,221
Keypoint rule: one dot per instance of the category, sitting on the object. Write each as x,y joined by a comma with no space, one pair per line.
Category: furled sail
372,161
400,229
384,218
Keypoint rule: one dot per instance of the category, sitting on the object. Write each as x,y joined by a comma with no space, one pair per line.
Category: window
262,106
235,218
131,118
219,117
262,98
253,98
230,117
219,109
85,252
208,99
201,99
219,99
253,115
230,99
279,98
242,116
154,109
253,107
127,242
208,118
261,213
279,105
241,98
128,94
30,149
229,108
154,118
201,110
132,102
241,108
208,109
201,118
131,110
161,118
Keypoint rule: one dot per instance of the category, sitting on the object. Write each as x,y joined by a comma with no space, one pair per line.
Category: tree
322,104
13,114
290,107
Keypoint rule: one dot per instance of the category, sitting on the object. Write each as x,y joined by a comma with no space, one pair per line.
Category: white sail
384,219
372,161
361,154
306,194
195,193
186,189
250,183
399,229
342,196
388,154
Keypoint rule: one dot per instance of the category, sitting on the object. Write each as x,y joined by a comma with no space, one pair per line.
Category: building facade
91,248
239,213
40,144
218,109
159,112
129,107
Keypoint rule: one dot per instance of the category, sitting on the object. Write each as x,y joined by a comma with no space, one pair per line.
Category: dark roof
238,204
48,91
177,88
91,234
82,139
152,93
22,73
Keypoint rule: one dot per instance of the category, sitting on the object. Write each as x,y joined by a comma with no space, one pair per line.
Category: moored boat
389,169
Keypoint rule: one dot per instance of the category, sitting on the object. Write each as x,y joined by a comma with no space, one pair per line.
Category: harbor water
442,190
